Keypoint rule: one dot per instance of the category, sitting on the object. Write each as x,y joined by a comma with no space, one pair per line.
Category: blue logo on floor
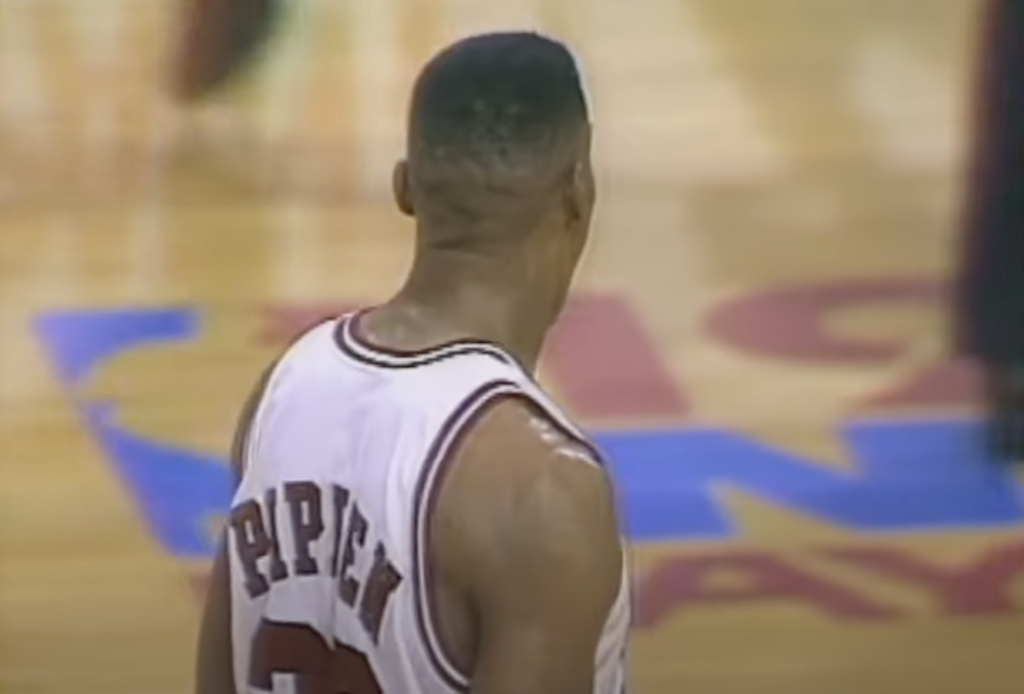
910,475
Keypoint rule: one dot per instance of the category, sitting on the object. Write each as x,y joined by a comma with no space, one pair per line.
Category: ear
579,188
402,188
574,195
580,194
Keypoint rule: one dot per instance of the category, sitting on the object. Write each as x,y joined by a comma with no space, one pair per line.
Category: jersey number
299,651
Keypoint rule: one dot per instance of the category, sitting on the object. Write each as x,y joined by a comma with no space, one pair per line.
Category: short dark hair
492,113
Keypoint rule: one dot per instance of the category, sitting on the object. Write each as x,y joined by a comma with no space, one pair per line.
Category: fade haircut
496,120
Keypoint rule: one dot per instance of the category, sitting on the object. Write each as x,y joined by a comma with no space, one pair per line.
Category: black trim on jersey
358,348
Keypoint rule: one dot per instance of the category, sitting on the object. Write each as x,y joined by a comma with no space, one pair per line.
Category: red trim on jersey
435,468
433,472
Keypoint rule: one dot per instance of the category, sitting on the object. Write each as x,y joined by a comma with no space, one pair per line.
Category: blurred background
759,338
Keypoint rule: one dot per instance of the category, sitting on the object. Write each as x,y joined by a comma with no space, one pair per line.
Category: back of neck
458,295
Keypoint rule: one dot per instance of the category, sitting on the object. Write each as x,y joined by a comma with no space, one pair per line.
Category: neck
457,294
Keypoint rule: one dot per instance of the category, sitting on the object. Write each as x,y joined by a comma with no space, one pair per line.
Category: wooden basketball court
759,326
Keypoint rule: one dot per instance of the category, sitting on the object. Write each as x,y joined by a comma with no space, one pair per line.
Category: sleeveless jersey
328,544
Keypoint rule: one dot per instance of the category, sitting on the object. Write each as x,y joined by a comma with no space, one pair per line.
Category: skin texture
527,542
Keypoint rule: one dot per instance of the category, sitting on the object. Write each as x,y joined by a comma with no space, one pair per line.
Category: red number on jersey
299,651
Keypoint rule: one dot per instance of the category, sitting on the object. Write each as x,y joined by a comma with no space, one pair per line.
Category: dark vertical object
218,41
990,301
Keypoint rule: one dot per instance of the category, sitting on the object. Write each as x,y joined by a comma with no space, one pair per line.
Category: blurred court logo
688,488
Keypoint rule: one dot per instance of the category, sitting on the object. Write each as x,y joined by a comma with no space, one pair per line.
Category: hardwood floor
757,336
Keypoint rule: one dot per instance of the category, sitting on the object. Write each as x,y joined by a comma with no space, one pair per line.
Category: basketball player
414,515
990,302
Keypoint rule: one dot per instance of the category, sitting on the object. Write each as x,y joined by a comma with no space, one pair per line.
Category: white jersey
328,548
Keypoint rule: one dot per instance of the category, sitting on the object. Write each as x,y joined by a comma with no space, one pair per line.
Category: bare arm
214,658
540,554
214,662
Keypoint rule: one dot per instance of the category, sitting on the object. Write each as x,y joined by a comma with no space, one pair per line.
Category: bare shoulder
517,459
522,493
527,535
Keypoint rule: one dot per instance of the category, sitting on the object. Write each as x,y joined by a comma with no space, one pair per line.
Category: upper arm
214,664
539,553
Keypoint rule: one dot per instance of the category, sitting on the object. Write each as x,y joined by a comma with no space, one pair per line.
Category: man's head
498,155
